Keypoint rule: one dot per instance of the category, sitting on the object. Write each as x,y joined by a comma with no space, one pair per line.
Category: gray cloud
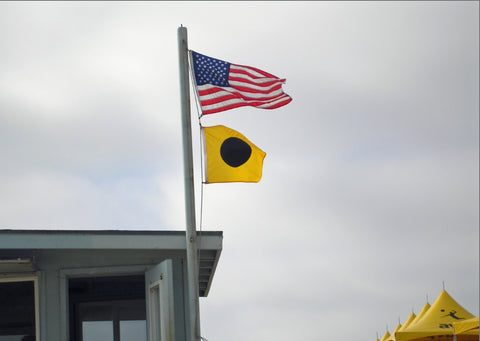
369,197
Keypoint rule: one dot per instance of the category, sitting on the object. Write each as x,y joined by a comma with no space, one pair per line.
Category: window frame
111,312
156,274
28,278
160,302
67,274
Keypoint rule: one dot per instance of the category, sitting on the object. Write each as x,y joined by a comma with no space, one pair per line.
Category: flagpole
193,319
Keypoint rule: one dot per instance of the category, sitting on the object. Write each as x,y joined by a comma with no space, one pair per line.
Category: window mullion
116,323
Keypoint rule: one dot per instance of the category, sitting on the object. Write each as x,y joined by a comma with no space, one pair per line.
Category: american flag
222,86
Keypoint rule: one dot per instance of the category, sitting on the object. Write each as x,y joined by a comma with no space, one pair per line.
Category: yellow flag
231,157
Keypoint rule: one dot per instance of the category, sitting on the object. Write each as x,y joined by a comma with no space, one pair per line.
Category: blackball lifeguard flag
222,86
231,157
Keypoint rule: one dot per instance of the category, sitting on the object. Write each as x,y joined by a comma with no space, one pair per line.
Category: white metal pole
193,318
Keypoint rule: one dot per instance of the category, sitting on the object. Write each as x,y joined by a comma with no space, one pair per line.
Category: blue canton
210,70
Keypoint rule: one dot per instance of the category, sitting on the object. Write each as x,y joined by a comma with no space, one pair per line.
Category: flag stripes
222,86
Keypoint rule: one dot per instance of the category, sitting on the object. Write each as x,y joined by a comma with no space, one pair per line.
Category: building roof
18,247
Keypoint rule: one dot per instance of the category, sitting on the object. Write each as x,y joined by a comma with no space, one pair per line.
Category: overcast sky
370,190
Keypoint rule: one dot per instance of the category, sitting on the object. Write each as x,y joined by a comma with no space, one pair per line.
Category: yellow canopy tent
420,314
410,319
385,336
401,327
437,322
392,336
466,325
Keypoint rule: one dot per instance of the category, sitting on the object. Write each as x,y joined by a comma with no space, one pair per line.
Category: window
122,308
18,313
108,309
108,321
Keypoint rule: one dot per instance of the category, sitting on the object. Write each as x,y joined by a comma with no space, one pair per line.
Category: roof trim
105,239
209,244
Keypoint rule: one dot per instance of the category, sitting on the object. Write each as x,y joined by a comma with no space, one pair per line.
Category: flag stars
217,93
210,70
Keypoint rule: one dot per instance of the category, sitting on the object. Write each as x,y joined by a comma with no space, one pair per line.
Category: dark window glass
17,311
107,309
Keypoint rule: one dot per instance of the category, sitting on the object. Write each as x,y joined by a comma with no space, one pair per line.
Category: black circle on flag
235,152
